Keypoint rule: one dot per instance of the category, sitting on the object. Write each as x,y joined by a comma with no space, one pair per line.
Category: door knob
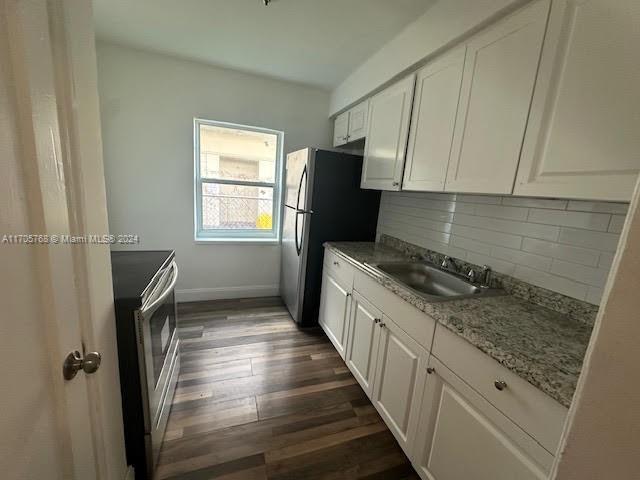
75,362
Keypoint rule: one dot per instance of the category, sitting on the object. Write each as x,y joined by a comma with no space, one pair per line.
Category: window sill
238,241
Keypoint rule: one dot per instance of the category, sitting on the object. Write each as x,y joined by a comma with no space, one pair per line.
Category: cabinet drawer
417,324
340,268
527,406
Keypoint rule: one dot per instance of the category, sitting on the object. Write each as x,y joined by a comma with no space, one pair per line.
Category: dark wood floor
259,399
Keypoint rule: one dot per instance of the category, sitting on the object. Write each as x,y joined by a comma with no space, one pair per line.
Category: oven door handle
167,291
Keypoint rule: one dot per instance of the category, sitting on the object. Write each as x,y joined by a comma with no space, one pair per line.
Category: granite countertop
544,347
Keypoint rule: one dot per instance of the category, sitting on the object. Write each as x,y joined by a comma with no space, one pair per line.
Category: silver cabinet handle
348,294
376,320
500,384
430,370
382,325
395,184
337,264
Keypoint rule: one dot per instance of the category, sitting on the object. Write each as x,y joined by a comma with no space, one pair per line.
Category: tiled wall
564,245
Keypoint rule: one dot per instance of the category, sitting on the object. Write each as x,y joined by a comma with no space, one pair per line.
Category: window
237,181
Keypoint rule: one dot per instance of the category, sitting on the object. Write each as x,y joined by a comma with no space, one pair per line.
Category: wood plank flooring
259,399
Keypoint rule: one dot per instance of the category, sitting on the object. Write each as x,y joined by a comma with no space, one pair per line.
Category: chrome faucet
448,264
486,276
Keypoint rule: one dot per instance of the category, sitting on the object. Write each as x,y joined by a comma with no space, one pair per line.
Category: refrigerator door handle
298,241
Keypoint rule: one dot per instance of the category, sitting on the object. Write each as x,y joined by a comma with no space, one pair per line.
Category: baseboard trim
224,293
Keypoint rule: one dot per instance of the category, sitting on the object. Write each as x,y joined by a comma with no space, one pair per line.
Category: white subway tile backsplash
552,282
590,221
607,242
545,232
522,258
579,255
500,211
616,224
594,295
602,207
498,265
594,277
438,215
565,246
479,199
535,202
606,260
495,238
470,245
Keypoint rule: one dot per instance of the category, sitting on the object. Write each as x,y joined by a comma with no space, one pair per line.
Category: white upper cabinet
341,129
583,138
387,132
358,121
351,125
497,87
432,122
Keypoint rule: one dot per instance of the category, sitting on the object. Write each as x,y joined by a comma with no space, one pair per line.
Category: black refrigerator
323,202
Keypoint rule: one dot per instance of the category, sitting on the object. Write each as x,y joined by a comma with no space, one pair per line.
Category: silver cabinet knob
395,184
376,320
75,362
430,370
500,384
348,294
337,264
382,325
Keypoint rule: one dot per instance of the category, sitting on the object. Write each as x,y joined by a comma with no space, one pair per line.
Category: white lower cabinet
362,348
455,411
460,435
399,381
334,310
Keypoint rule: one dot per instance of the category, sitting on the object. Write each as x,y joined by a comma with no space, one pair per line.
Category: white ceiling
317,42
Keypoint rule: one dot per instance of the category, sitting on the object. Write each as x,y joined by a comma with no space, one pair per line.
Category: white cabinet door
387,133
358,121
399,381
432,122
582,140
499,75
334,311
362,349
461,436
341,129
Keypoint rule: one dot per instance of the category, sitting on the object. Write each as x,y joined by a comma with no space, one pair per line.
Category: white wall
443,24
564,245
148,102
601,437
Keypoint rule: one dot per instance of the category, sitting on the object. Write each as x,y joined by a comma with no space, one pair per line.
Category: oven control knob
75,362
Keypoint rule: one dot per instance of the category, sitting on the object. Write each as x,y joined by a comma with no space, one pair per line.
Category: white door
334,311
358,121
399,381
432,122
341,129
582,139
56,297
462,436
362,348
387,133
499,75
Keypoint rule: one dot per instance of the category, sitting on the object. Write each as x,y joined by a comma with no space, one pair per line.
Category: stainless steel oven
159,359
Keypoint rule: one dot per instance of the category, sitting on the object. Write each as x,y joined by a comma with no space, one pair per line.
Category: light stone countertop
544,347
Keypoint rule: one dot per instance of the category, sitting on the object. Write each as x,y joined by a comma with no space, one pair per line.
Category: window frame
239,235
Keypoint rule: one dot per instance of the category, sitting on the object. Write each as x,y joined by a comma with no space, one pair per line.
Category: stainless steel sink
431,282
